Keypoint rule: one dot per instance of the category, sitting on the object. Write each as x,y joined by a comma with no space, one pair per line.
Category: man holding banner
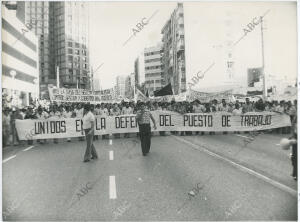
143,117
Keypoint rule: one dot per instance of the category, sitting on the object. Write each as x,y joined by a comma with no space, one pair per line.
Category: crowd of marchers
75,110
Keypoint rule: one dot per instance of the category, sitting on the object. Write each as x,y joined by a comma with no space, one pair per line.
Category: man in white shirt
126,110
223,107
198,107
103,110
88,124
97,110
79,111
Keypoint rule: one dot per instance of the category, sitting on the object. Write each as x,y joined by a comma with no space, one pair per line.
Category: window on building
70,64
70,71
70,58
83,52
77,45
70,51
70,44
76,51
85,66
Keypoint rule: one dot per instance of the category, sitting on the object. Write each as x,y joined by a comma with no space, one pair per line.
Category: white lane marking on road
110,141
277,144
111,155
9,158
243,168
112,188
28,148
243,136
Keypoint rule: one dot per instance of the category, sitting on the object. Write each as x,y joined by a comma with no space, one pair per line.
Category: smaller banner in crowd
165,121
80,95
207,97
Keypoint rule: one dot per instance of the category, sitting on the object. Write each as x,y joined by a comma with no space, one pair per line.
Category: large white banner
165,121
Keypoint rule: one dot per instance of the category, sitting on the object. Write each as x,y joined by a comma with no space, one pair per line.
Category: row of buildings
161,64
44,43
47,44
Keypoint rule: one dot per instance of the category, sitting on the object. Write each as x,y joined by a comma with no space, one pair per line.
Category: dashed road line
110,141
9,158
112,188
241,167
111,155
28,148
244,136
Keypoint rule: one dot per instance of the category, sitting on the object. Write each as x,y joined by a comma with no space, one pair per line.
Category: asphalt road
226,180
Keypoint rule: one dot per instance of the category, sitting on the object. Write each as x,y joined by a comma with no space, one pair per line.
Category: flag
167,90
139,95
254,75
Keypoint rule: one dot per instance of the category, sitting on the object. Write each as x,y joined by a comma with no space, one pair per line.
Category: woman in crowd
88,125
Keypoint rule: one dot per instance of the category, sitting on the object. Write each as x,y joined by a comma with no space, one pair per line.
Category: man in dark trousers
143,117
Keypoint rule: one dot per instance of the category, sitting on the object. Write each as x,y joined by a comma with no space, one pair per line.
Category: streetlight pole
13,74
263,60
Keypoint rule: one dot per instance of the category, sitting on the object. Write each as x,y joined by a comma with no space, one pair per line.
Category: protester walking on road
143,117
88,124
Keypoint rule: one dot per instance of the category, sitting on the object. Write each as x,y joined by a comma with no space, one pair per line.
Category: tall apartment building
174,51
129,86
137,71
120,88
139,68
20,61
153,68
63,29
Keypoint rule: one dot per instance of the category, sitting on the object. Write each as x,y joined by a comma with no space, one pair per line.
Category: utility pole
263,61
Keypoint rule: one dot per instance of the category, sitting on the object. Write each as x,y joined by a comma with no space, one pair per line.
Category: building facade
62,28
120,88
174,51
130,86
153,69
137,71
20,61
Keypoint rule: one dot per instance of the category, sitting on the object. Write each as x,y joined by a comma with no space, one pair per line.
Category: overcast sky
208,25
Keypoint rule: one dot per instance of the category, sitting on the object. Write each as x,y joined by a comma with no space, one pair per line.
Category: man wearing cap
143,117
